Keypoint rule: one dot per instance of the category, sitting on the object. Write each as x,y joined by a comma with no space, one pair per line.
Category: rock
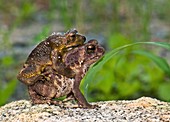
143,109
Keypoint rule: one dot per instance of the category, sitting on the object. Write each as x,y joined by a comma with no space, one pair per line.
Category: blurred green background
114,23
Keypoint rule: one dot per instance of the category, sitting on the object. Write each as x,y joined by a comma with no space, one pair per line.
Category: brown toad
49,53
55,85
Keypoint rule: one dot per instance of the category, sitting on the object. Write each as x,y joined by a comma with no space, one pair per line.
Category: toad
49,53
55,85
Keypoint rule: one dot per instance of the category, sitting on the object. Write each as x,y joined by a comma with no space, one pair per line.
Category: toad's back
42,52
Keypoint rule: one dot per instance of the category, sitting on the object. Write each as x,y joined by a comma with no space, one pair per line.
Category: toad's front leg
30,74
59,66
78,95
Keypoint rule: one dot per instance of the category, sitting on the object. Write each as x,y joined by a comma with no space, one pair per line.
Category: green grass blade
7,92
98,65
161,44
161,63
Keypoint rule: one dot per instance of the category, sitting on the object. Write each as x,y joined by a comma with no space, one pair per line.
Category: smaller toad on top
49,53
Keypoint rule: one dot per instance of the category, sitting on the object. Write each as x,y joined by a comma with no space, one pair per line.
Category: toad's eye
72,38
90,49
73,35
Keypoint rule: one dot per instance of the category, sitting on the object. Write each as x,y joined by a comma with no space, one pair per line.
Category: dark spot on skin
64,88
59,76
59,83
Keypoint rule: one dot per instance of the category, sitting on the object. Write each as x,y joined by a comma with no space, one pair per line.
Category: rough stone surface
141,110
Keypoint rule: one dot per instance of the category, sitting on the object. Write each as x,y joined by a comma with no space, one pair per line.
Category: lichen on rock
143,109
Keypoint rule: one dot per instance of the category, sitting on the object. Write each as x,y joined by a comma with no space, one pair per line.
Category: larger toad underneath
55,85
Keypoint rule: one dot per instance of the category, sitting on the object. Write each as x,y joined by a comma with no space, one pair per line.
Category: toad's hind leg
38,99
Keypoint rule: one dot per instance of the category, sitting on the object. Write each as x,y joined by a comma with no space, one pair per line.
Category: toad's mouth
91,60
70,47
74,45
